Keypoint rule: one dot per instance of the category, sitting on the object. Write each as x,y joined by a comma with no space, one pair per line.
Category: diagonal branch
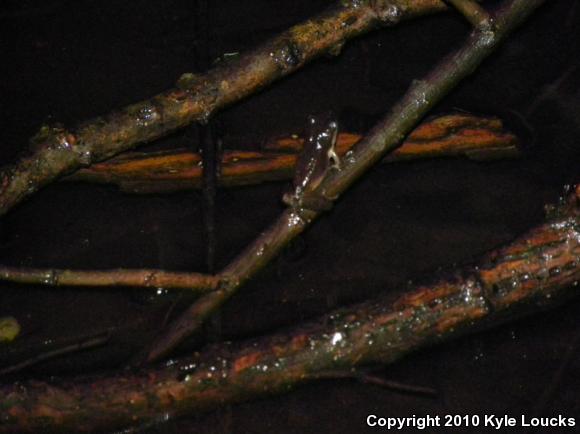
474,13
56,151
455,134
533,272
384,137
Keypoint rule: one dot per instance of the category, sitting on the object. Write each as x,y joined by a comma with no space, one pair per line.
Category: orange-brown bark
537,269
450,135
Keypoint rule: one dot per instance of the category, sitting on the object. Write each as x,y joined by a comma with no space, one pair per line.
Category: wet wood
459,134
387,135
536,271
194,283
56,151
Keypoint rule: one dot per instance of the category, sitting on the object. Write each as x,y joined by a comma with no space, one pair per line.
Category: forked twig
456,134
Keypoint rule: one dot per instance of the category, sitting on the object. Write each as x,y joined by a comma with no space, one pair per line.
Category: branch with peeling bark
383,138
539,268
474,137
450,135
535,271
56,151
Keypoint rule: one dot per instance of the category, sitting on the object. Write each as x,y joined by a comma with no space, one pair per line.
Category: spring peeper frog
317,158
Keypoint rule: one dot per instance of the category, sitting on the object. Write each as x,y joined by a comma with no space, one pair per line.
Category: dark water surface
68,61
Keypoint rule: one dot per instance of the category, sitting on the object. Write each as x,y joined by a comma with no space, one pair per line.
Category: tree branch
537,270
473,12
56,151
474,137
457,134
383,138
195,282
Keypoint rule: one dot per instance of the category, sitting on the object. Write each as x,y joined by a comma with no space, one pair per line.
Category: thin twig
194,282
537,270
474,13
383,138
455,134
92,342
56,151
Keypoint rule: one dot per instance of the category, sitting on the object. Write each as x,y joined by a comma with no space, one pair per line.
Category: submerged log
535,271
474,137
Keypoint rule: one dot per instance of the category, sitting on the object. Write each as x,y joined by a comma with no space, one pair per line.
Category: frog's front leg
334,158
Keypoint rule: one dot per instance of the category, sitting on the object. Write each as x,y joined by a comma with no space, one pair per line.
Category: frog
317,159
